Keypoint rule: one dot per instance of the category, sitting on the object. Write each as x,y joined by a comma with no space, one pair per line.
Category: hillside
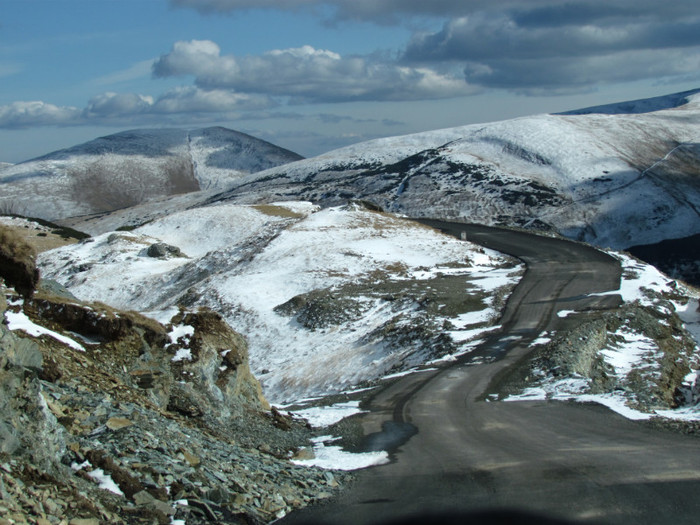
614,180
355,294
128,168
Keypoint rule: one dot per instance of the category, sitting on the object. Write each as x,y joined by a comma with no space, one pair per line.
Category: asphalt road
460,459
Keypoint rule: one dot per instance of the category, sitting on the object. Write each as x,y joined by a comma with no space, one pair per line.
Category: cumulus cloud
179,105
36,113
544,42
307,74
556,51
117,105
190,99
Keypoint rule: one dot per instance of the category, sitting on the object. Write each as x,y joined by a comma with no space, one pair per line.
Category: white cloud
117,105
177,106
528,36
36,113
194,57
190,99
307,74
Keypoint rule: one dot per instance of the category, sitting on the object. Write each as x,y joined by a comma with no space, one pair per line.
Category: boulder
162,250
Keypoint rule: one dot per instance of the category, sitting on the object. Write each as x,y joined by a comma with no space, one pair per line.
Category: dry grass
278,211
40,238
13,244
17,262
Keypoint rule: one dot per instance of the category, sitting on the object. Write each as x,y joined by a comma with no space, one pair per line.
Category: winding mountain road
456,454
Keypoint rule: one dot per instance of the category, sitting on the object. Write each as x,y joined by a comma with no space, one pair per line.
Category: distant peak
643,105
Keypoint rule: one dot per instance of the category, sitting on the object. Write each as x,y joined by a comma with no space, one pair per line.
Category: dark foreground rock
147,424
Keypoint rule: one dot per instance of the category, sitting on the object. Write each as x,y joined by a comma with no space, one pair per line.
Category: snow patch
333,457
19,321
324,416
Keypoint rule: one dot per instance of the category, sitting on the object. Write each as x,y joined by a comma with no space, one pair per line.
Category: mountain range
624,176
605,176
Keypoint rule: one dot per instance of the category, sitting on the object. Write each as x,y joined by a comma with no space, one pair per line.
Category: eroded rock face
658,383
204,373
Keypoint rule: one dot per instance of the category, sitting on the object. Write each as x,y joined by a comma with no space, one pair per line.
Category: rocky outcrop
659,382
162,250
28,429
148,423
577,353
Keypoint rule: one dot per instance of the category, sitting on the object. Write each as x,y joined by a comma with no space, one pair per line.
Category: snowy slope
645,105
614,180
128,168
327,298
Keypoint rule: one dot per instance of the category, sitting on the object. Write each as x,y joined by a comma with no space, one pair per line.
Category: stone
304,453
193,460
116,423
9,443
143,498
22,353
161,249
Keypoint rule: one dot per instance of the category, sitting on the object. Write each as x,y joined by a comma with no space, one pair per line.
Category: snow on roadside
323,416
690,315
333,457
330,456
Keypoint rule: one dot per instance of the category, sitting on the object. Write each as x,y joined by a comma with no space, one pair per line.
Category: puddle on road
392,436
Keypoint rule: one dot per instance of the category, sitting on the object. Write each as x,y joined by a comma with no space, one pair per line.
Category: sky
315,75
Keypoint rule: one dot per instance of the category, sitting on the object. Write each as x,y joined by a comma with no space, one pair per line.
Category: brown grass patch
278,211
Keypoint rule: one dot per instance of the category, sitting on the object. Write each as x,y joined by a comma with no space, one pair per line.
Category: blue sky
313,75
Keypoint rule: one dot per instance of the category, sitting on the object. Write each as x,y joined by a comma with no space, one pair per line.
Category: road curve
556,460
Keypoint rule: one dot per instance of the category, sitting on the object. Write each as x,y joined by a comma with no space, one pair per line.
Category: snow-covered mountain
128,168
614,180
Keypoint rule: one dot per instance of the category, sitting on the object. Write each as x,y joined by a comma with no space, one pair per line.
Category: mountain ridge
610,179
126,168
